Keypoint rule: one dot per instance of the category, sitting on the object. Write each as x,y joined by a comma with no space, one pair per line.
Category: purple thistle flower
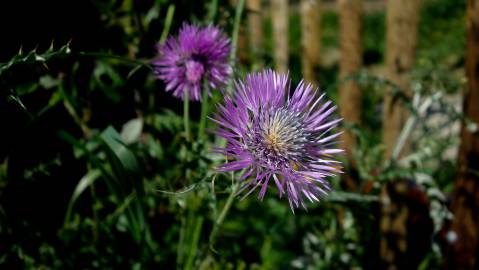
196,55
275,136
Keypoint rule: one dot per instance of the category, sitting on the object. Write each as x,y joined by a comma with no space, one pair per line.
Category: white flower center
279,137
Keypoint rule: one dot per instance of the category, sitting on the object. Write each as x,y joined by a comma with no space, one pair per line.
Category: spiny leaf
34,57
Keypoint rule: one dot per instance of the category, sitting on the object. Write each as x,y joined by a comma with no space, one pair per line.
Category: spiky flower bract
275,136
196,56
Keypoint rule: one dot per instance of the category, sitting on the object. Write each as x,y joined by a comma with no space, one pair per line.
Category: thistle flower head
273,136
196,56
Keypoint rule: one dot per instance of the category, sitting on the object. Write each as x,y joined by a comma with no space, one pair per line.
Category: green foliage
441,31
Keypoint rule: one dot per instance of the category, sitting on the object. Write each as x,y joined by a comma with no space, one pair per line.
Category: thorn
68,50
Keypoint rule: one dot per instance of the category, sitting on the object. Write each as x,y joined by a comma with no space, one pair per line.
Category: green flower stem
234,42
234,185
186,115
224,213
168,21
194,243
236,27
213,10
181,243
204,111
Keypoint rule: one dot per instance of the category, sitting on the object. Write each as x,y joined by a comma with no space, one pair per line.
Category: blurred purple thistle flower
275,136
196,55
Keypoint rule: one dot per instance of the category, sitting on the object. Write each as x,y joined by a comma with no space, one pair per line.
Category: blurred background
92,156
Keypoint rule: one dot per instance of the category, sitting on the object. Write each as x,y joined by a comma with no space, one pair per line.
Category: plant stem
234,42
236,26
224,212
181,242
96,219
213,9
234,185
168,21
186,115
204,111
194,242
